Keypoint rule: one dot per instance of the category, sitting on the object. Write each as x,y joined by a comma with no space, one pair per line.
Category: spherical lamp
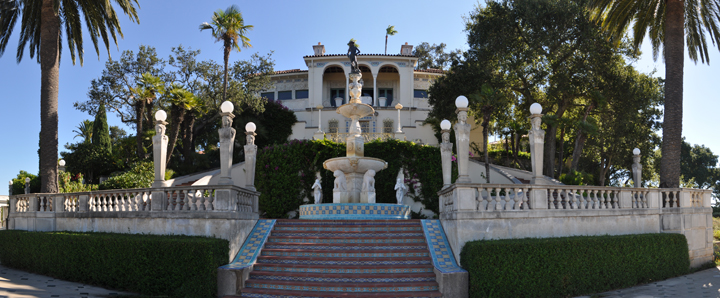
27,180
227,107
461,102
636,151
535,109
10,182
250,127
61,163
445,124
160,115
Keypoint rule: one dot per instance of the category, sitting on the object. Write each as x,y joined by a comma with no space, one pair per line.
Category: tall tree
181,101
229,27
148,88
390,31
435,56
41,28
84,130
669,23
101,132
488,103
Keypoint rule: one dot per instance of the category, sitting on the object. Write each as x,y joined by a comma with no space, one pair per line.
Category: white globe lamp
445,124
227,107
535,109
160,115
250,127
636,151
461,102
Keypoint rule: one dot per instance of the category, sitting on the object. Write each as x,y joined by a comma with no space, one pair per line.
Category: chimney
319,49
406,49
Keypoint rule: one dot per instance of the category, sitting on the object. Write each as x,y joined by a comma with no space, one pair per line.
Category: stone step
346,246
345,261
266,293
373,287
347,278
346,234
343,269
403,222
353,228
366,240
344,254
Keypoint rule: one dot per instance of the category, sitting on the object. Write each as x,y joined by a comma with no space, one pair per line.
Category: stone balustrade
368,136
471,211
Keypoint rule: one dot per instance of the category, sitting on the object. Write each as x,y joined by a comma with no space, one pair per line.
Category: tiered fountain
354,187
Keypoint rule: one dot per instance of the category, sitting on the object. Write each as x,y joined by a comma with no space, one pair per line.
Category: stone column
462,136
319,134
399,134
160,143
537,141
446,153
227,142
10,192
27,185
250,156
637,168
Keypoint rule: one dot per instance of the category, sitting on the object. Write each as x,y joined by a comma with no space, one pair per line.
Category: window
268,95
387,126
335,93
284,95
421,93
364,126
301,94
333,126
387,93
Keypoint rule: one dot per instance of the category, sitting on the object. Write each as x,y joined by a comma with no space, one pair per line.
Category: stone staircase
344,258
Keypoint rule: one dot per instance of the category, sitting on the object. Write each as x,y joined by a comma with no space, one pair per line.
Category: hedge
170,266
571,266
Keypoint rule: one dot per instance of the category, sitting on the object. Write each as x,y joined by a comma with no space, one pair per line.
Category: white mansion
392,85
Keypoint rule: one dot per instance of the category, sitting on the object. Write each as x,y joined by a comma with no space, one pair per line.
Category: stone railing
369,136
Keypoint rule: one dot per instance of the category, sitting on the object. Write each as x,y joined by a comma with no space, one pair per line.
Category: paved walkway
704,283
20,284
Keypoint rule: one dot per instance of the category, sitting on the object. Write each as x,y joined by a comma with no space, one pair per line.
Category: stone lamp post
636,167
160,143
27,185
61,165
462,136
399,134
10,192
227,142
250,155
319,134
446,152
537,141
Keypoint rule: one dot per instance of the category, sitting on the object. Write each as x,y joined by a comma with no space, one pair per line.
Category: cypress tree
101,132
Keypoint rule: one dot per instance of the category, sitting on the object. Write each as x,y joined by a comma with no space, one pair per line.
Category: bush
69,183
140,175
286,172
175,266
18,186
571,266
577,178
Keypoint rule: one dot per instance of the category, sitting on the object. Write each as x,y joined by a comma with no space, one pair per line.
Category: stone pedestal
637,170
160,143
227,142
462,136
250,160
446,158
318,135
537,141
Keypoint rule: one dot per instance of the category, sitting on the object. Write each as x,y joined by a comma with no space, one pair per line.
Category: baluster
508,205
566,203
573,199
120,200
498,205
186,199
677,199
129,198
517,198
525,199
555,197
479,199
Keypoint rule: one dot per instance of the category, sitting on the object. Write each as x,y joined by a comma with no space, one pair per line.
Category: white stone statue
340,182
317,191
400,187
369,181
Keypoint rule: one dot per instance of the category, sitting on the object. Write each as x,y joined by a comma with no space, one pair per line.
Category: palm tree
229,27
41,28
181,101
146,90
390,31
84,130
669,23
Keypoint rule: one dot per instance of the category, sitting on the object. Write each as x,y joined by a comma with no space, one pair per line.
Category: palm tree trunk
188,139
226,56
672,123
174,129
580,142
485,123
50,82
386,37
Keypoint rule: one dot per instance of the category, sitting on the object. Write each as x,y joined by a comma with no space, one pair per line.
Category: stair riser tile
340,234
258,295
348,229
344,255
355,289
342,279
343,270
345,248
368,241
346,263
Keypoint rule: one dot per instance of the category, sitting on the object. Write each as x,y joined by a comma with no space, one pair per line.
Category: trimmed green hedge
174,266
571,266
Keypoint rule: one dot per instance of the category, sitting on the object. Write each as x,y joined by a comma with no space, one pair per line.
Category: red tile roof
431,70
290,71
384,55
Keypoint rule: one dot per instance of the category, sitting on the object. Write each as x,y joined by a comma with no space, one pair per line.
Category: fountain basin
358,211
355,164
355,110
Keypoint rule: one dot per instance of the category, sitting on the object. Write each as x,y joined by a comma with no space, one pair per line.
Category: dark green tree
435,56
101,132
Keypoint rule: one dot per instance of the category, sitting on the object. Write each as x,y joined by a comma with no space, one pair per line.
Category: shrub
69,183
577,178
140,175
175,266
18,186
571,266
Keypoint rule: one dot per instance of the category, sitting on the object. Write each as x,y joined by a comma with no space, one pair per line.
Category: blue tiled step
355,247
347,234
345,240
345,261
346,278
342,287
339,269
343,254
354,228
301,222
266,293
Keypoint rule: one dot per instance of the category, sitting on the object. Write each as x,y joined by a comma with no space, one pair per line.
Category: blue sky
289,28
